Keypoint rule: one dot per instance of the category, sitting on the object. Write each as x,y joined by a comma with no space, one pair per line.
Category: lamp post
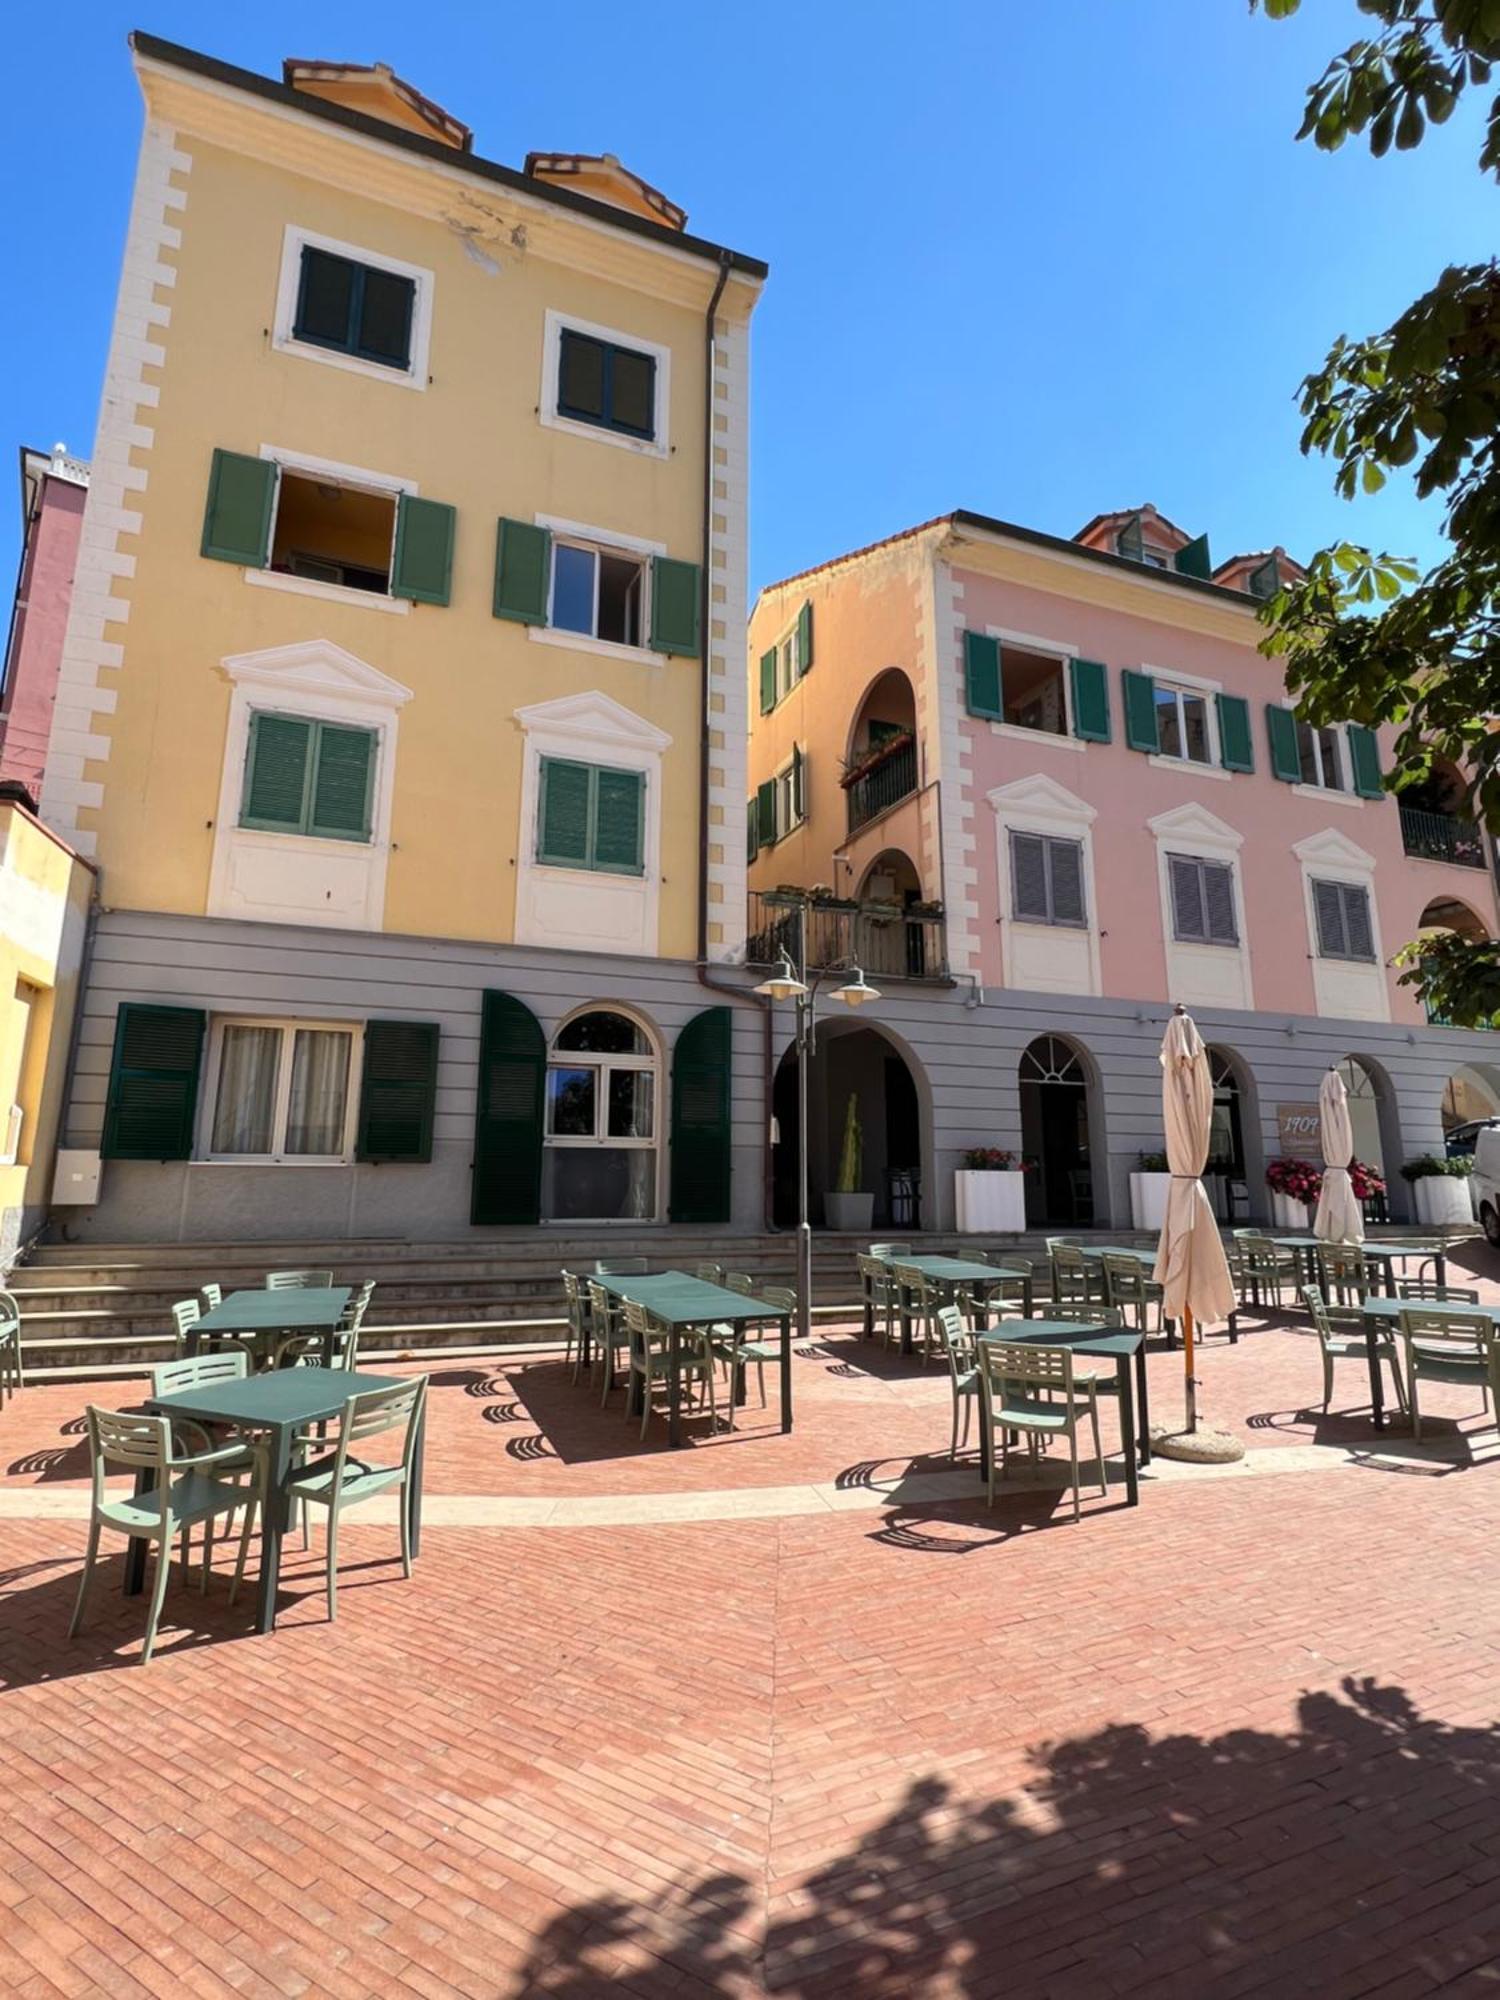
786,983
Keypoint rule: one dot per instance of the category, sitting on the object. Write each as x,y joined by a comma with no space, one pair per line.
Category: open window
1033,690
1320,753
330,533
598,591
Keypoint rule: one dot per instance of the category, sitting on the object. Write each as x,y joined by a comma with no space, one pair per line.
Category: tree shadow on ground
1359,1848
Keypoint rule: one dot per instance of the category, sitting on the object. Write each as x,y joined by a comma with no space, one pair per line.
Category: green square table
280,1402
256,1316
1120,1344
679,1301
1386,1254
1381,1313
946,1276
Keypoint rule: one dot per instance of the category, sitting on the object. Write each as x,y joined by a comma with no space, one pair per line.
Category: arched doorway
1448,913
1055,1107
1374,1121
600,1159
882,942
1231,1171
886,1082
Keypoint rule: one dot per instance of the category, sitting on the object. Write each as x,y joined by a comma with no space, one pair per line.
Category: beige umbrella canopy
1340,1218
1190,1263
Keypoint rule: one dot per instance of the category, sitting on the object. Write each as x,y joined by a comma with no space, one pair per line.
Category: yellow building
400,697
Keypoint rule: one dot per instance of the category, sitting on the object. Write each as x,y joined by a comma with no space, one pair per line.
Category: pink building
53,490
1045,788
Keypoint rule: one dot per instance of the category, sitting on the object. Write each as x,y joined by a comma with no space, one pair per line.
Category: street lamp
785,983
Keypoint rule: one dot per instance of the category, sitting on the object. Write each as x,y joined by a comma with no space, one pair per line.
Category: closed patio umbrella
1340,1218
1190,1264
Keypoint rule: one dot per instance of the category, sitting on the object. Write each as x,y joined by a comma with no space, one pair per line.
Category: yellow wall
472,439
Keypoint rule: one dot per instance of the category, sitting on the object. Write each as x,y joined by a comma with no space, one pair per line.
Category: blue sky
1034,260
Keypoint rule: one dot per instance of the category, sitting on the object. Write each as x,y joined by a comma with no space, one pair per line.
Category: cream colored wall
472,439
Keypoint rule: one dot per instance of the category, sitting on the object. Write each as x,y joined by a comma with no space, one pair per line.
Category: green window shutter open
1090,700
805,637
799,785
768,681
1139,693
1236,751
508,1113
765,813
523,566
676,607
1129,542
1281,733
397,1090
619,822
701,1078
982,675
342,782
423,565
752,837
237,518
153,1083
276,773
1193,560
1364,755
563,829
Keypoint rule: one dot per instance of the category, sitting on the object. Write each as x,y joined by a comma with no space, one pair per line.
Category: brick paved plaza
788,1715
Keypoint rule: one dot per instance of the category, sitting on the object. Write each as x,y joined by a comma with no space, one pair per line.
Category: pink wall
43,594
1128,790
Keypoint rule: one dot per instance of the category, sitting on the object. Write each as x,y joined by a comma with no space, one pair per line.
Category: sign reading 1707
1299,1129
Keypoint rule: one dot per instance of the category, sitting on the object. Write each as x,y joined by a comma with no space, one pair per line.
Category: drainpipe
702,967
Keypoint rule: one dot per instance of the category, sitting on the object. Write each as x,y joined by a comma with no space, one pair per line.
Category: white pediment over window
593,718
1195,824
1331,849
1039,798
316,667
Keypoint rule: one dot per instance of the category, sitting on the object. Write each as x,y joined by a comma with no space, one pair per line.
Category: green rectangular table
947,1275
256,1317
1387,1255
1120,1344
679,1300
280,1402
1381,1313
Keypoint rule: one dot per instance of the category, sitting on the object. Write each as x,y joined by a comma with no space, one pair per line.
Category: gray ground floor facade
932,1070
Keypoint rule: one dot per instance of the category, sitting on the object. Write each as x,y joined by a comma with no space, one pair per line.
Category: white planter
1290,1215
1442,1199
1148,1200
989,1202
853,1212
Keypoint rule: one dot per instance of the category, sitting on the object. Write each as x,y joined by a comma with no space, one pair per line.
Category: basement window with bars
1202,900
310,778
281,1091
1047,880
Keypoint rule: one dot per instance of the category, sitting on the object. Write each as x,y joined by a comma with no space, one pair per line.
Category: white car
1486,1179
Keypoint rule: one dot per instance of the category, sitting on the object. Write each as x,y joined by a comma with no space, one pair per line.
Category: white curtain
319,1093
246,1104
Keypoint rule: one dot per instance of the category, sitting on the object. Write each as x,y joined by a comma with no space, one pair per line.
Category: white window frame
294,240
1077,840
1064,654
1322,789
1038,804
652,1062
1235,943
1346,988
1178,686
357,479
658,446
288,1026
1194,967
599,541
787,817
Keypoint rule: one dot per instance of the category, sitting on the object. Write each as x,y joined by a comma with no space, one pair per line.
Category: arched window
600,1161
1049,1059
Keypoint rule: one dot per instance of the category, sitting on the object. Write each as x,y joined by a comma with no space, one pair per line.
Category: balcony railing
878,790
1441,837
890,945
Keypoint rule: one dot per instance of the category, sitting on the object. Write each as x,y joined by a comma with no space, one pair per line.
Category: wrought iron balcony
891,780
1434,836
886,942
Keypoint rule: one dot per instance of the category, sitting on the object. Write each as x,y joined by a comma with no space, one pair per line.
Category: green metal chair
711,1274
212,1295
877,1287
889,1250
305,1350
1072,1281
187,1490
924,1302
1445,1347
1127,1285
1341,1337
741,1282
1268,1268
338,1481
650,1359
1035,1390
186,1313
737,1345
1428,1291
963,1373
298,1281
11,1376
607,1320
576,1294
1345,1275
1009,1287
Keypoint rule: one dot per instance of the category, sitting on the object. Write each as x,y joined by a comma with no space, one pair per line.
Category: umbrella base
1199,1447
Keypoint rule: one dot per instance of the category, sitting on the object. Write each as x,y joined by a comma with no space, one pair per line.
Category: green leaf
1371,476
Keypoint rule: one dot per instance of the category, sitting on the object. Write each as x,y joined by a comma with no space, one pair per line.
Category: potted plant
847,1206
1149,1183
1295,1186
989,1191
1440,1188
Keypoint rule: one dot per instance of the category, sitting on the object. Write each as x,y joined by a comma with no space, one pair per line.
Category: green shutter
342,780
982,675
676,607
1281,730
563,816
1193,560
768,681
1264,580
508,1113
1236,751
619,822
1090,700
752,837
1129,542
237,519
423,565
523,572
276,773
1139,691
153,1083
765,813
1364,754
397,1091
799,785
701,1075
804,638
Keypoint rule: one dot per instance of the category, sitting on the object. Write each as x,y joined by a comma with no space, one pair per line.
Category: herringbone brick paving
1240,1740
